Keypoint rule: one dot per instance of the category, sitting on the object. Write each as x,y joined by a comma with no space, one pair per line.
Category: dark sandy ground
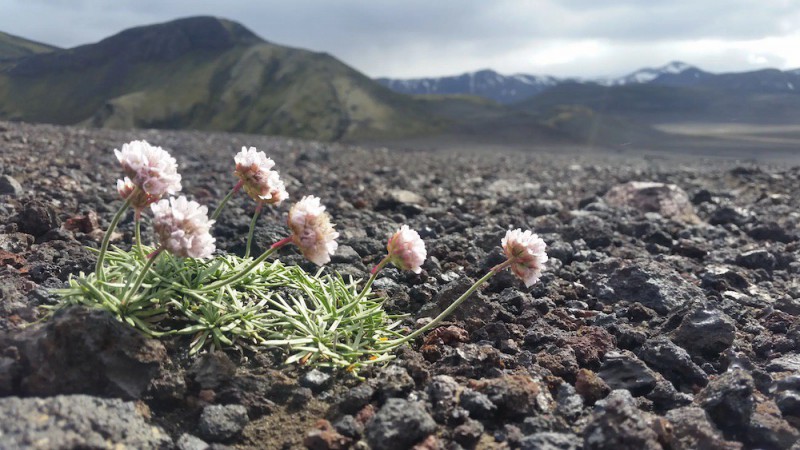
667,316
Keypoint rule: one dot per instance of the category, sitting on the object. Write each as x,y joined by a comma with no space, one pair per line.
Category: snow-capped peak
648,74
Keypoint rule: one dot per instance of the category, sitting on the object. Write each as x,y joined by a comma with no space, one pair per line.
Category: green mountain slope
209,74
15,47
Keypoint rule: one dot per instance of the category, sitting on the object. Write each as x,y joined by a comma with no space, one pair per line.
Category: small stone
210,370
398,425
623,370
692,429
219,423
654,285
76,421
666,199
673,362
345,255
356,398
191,442
568,403
394,381
10,186
349,426
757,259
767,429
728,400
37,218
316,380
325,437
617,423
468,433
551,441
477,403
705,332
516,395
591,387
15,242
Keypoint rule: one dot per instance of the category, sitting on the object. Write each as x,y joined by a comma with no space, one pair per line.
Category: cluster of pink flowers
526,255
406,250
183,228
256,176
151,168
312,230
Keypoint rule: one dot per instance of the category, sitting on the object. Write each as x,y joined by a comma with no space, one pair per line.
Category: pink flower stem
373,276
138,283
252,230
243,273
281,243
235,189
436,321
98,268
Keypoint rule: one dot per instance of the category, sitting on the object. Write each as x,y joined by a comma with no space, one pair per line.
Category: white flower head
526,252
183,228
261,183
406,250
312,230
150,168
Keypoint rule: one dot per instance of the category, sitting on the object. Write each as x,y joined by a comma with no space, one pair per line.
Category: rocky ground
667,317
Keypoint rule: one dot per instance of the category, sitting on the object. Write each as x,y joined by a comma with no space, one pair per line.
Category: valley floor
667,317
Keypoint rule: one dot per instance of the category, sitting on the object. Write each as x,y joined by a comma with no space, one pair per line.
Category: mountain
516,88
204,73
484,83
15,47
675,73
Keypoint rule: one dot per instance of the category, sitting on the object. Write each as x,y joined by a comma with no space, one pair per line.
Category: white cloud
417,38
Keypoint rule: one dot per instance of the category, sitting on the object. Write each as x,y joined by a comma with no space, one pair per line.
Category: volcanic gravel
667,316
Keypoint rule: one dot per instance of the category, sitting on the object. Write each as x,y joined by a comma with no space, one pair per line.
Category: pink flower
126,188
526,253
182,227
150,168
312,230
261,183
406,250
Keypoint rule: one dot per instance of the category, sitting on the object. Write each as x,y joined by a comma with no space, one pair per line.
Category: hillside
15,47
208,74
736,101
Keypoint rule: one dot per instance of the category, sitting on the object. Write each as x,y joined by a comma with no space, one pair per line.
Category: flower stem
226,281
435,322
138,283
217,211
138,230
372,277
252,230
98,268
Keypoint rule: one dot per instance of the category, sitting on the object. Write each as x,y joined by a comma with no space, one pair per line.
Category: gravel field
667,316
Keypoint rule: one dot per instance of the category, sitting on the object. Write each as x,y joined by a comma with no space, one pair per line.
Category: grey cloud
367,34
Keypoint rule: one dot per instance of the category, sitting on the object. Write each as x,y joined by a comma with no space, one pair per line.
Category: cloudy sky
412,38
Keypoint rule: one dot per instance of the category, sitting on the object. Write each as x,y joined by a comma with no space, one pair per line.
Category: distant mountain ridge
16,47
514,88
483,83
203,73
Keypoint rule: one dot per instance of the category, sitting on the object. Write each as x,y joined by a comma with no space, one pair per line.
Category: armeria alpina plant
180,287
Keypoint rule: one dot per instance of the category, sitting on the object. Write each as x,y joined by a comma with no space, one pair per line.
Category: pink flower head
526,252
150,168
406,250
140,200
182,227
312,230
261,183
